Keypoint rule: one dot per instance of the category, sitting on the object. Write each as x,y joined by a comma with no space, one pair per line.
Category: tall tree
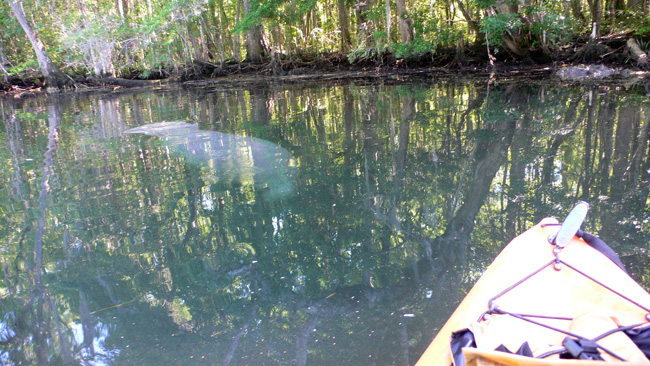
255,49
389,16
472,23
3,60
364,24
405,23
514,40
54,79
596,17
344,26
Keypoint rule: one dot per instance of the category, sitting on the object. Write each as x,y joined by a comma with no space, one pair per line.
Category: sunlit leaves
496,26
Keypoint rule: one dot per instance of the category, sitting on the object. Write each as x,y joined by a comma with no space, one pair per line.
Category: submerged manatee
227,158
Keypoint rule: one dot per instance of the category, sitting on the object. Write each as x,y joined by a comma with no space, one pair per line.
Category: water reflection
320,225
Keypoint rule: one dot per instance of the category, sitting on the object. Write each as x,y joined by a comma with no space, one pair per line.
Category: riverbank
612,53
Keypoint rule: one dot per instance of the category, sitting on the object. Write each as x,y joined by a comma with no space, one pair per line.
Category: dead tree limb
637,53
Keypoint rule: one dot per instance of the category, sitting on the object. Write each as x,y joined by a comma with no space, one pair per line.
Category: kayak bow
554,296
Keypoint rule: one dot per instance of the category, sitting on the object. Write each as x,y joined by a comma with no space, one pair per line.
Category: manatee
227,158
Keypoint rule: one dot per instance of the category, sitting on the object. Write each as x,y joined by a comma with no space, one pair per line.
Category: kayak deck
575,290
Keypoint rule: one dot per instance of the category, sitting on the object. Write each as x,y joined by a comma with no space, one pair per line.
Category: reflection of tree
15,145
48,171
561,134
403,196
491,156
32,312
638,169
234,341
588,155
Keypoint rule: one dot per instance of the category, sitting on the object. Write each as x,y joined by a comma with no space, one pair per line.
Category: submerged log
637,53
127,83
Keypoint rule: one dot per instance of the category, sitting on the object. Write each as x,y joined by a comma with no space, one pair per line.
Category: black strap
459,340
602,247
524,350
641,337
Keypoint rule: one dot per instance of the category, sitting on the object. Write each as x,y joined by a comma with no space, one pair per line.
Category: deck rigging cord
578,346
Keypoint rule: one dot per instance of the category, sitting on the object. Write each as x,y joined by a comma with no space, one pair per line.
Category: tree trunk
237,36
122,8
616,9
254,38
491,156
389,15
513,41
596,16
54,79
364,25
576,9
302,339
404,343
344,26
3,60
224,23
54,119
521,142
471,23
635,5
98,49
405,23
203,40
235,337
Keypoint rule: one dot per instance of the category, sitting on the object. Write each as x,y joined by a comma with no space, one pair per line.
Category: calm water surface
286,225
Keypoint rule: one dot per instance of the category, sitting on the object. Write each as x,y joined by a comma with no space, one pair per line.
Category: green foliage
374,54
145,74
21,68
643,31
418,47
380,37
16,46
430,35
496,26
440,32
551,28
166,34
635,21
377,13
275,12
543,26
484,4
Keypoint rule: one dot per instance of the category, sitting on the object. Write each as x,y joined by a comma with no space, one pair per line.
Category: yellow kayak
554,296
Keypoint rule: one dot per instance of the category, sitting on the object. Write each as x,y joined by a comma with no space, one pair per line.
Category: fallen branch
127,83
638,54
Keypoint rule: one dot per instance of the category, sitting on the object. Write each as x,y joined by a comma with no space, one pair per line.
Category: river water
292,224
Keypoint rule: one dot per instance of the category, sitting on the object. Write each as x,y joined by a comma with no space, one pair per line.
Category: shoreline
264,73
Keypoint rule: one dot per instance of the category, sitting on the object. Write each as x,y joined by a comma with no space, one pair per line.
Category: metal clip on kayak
568,230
